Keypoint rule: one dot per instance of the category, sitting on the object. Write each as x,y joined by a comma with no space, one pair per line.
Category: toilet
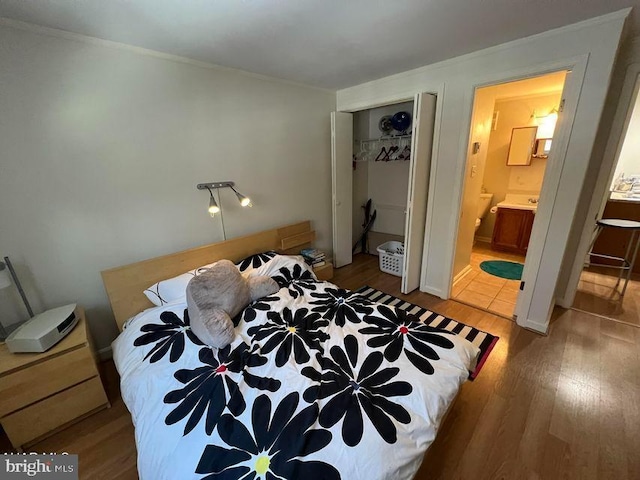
483,207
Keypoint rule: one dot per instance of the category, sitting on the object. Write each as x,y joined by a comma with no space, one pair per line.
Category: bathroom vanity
514,221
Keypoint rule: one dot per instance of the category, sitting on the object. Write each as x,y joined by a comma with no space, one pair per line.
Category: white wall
596,40
102,148
388,184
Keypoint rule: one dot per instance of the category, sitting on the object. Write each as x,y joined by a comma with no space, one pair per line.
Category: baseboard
461,274
564,302
105,353
432,291
536,327
483,239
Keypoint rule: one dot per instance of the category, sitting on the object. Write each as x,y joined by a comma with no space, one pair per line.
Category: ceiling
325,43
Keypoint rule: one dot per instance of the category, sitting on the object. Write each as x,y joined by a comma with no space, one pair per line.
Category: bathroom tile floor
487,292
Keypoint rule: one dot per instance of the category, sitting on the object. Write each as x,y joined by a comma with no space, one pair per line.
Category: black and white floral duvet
320,383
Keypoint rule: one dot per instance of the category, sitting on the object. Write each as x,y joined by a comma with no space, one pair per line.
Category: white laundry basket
392,257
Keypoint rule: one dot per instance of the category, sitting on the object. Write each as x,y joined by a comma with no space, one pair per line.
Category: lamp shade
213,206
244,201
5,279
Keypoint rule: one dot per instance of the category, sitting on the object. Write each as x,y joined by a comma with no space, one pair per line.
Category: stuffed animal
217,295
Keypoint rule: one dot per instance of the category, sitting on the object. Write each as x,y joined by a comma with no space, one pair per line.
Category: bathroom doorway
511,137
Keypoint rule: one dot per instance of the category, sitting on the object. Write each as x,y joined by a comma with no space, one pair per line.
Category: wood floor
566,406
104,442
597,293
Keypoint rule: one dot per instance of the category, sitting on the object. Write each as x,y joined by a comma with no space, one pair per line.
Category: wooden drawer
324,272
27,386
47,415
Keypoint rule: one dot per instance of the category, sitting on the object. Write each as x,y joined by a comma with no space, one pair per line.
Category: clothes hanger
382,155
393,153
405,154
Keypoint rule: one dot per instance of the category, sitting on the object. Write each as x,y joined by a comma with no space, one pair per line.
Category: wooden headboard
124,285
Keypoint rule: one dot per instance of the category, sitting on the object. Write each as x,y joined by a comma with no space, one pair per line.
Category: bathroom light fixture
547,126
553,114
216,206
546,123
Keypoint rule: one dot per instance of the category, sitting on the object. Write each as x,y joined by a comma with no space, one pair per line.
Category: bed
319,383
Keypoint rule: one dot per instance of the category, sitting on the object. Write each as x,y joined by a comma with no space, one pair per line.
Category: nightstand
41,393
325,272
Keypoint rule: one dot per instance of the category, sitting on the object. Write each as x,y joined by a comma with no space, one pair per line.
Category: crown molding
101,42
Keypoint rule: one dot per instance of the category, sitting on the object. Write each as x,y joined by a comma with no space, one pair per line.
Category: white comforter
319,383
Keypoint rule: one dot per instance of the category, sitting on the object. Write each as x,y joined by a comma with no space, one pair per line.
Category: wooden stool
627,261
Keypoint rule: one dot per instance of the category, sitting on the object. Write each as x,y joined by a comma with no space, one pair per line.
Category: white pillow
173,289
267,263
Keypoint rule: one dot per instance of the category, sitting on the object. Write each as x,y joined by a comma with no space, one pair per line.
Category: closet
383,154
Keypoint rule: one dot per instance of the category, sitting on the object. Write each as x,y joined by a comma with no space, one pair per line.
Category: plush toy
217,295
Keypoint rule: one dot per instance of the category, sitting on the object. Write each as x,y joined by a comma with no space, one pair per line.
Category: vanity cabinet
512,230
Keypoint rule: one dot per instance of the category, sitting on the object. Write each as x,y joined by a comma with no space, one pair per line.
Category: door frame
341,257
617,134
438,91
414,194
541,235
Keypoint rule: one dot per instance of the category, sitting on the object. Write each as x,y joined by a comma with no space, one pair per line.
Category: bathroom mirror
521,146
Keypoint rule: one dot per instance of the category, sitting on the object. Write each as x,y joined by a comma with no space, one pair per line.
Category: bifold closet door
424,112
342,186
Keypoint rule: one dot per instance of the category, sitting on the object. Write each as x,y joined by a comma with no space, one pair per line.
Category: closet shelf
386,149
390,139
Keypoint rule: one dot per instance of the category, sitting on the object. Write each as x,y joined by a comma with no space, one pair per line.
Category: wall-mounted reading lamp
6,269
6,274
216,206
